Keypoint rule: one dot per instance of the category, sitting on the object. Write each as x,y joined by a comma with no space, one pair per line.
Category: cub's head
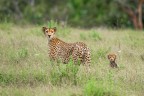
112,57
49,32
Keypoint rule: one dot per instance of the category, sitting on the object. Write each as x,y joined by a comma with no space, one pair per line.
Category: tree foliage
86,13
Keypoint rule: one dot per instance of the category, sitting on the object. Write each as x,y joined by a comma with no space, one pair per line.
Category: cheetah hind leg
65,61
75,58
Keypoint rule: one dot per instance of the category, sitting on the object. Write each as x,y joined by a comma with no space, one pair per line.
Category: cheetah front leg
66,58
87,60
53,58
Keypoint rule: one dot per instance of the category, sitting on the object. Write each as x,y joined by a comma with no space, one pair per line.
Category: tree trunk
135,18
32,3
17,10
132,15
139,9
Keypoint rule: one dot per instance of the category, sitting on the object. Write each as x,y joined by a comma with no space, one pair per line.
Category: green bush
61,31
22,53
16,55
97,88
76,12
93,88
82,36
6,26
23,77
64,74
95,36
100,53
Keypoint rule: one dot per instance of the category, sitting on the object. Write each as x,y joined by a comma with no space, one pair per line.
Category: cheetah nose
49,36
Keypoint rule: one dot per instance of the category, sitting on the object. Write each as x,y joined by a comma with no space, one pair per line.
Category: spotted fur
112,59
61,51
81,53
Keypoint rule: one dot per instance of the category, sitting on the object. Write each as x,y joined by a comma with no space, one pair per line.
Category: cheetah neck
54,41
112,62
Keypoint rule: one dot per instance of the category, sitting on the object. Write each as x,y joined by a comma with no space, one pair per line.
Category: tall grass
25,68
64,74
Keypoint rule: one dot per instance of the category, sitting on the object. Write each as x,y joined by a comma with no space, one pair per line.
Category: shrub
64,74
18,55
101,52
23,77
6,26
93,88
22,53
95,36
97,88
82,36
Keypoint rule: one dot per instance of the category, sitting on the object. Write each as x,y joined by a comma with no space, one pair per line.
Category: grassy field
25,69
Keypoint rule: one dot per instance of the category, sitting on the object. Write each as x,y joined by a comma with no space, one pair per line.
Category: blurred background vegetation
81,13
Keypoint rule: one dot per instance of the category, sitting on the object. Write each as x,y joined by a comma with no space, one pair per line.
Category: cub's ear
115,56
55,29
108,56
43,29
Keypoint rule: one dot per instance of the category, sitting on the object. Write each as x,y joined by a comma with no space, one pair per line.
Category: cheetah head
49,32
112,57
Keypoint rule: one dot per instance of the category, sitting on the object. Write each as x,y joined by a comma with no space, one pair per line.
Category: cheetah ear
55,29
43,29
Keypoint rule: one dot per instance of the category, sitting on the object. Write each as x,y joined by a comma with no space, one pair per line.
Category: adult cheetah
60,50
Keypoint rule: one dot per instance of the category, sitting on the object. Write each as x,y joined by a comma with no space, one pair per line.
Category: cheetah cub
112,58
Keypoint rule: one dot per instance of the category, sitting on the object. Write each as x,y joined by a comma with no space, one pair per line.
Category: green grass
25,68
